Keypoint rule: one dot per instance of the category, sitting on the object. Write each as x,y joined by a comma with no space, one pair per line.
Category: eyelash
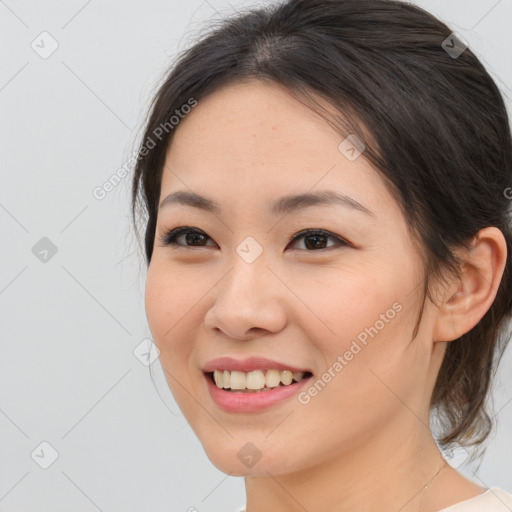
169,237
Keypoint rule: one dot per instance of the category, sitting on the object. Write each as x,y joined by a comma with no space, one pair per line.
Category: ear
468,298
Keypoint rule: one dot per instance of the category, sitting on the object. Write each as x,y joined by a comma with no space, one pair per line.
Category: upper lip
249,364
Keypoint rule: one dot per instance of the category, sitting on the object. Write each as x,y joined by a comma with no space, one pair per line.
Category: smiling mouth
256,381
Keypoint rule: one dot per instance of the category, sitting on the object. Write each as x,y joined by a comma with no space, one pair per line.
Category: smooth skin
363,442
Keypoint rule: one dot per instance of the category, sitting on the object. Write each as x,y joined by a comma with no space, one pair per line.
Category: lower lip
233,401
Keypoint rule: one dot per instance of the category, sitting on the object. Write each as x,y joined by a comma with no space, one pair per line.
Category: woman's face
339,306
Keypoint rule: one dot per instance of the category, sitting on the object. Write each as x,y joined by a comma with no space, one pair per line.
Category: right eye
192,236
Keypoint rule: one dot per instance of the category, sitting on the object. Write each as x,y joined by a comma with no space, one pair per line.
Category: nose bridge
248,269
243,300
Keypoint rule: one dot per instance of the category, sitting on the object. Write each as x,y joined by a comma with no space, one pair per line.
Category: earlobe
469,298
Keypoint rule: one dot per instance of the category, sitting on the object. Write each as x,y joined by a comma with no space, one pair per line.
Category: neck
387,472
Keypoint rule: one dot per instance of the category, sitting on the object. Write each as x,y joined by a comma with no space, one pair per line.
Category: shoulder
493,499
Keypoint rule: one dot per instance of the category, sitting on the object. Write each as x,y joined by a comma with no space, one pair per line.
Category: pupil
315,245
191,239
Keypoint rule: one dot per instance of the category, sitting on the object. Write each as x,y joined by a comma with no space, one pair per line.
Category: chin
240,457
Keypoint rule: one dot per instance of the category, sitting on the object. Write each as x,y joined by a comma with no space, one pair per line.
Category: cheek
171,319
160,304
170,312
348,302
170,298
362,331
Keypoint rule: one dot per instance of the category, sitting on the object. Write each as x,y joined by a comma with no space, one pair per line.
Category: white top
492,500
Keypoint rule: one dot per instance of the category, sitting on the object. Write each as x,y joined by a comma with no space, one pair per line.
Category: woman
324,185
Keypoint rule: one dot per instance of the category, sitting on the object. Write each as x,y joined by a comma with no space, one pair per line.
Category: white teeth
238,380
218,378
286,377
297,376
255,380
273,378
227,379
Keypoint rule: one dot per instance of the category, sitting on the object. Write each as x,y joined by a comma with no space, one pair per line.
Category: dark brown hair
434,124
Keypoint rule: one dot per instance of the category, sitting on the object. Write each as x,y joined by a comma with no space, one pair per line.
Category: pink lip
233,401
248,365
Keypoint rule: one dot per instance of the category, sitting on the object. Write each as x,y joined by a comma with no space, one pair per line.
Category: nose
248,303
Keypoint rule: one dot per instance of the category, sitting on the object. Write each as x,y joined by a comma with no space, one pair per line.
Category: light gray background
68,374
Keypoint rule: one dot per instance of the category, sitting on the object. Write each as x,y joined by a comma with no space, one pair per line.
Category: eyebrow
280,206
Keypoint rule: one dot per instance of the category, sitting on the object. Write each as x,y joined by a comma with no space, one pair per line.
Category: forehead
256,140
252,121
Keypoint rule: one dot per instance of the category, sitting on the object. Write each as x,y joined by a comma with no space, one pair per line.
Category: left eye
314,239
317,239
